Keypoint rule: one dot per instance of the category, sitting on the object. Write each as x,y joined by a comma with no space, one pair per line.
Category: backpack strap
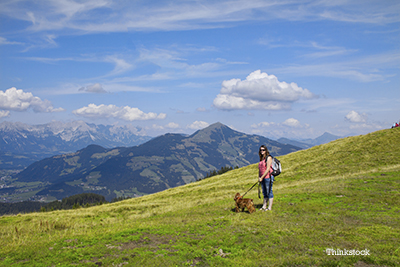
267,158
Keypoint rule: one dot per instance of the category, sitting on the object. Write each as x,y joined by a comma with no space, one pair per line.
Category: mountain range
307,143
163,162
23,144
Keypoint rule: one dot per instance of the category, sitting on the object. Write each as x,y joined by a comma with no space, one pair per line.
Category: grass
342,195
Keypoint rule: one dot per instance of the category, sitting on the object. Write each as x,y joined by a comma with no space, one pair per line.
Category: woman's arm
269,162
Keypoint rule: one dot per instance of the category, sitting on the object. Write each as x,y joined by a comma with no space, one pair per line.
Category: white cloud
292,123
326,51
322,51
290,128
156,127
120,65
116,16
259,91
111,111
356,69
4,41
174,64
94,88
228,102
50,39
354,116
201,109
18,100
198,125
263,125
4,113
172,125
361,123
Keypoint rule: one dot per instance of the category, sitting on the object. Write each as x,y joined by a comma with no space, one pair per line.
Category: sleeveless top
262,167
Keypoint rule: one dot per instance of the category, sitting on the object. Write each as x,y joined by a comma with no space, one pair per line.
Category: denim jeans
266,185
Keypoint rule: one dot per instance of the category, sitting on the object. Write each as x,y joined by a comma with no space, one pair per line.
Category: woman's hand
260,179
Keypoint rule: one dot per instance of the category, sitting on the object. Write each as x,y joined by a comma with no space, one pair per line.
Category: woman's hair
266,154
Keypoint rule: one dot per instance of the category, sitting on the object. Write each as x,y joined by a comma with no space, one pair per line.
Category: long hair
266,154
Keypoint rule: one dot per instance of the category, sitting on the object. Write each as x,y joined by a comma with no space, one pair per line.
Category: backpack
276,166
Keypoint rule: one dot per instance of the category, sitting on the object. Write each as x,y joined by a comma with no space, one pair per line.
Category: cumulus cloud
111,111
360,122
172,125
356,117
18,100
259,91
292,123
94,88
198,125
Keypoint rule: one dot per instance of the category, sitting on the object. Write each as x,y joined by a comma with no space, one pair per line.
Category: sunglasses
262,149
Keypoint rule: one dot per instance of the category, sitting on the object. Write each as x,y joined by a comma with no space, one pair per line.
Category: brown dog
242,203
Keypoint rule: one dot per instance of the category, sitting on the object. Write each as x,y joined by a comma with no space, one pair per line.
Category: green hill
344,196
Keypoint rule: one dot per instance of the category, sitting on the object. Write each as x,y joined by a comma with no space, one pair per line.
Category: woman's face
262,150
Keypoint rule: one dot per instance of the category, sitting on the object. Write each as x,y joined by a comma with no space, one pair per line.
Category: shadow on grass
257,206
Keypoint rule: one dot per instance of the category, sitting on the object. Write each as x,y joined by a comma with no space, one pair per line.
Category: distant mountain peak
205,135
216,125
35,142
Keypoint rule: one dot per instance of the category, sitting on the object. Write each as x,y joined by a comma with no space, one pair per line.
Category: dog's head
237,197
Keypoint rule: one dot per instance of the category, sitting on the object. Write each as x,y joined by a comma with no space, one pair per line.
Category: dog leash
249,189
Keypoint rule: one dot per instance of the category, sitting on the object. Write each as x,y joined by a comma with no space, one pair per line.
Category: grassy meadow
344,195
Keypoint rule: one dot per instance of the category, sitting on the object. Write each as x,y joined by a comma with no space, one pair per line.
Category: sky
292,69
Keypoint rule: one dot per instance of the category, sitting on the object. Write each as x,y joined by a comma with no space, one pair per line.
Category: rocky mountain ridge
164,162
22,144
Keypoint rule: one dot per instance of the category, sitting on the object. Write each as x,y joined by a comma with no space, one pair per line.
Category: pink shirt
262,167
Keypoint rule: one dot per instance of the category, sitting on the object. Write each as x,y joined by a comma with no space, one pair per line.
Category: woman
265,177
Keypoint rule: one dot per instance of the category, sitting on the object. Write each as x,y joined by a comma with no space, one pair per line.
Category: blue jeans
266,185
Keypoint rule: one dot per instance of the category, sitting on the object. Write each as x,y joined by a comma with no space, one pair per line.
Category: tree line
77,201
218,172
72,202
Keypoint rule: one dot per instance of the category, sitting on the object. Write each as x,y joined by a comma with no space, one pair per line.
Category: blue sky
292,69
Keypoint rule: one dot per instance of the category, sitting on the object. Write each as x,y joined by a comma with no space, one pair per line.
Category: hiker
265,177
